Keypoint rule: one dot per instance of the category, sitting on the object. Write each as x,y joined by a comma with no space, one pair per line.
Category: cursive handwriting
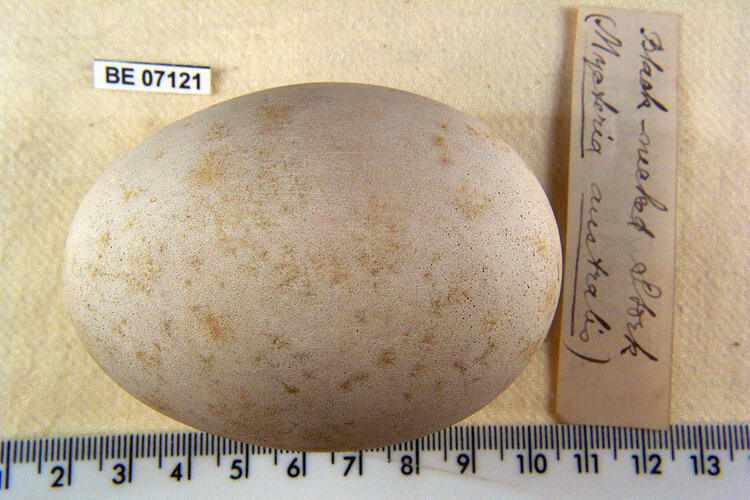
638,308
605,44
643,198
592,319
650,43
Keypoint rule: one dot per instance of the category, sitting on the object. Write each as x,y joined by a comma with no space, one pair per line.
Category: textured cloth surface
504,63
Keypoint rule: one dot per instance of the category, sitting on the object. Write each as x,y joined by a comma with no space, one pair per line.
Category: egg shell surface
315,267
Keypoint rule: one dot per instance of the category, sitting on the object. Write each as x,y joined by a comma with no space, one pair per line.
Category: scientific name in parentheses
596,107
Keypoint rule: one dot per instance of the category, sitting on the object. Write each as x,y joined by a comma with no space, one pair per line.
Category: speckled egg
316,267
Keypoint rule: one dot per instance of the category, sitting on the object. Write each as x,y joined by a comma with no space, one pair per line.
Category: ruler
531,461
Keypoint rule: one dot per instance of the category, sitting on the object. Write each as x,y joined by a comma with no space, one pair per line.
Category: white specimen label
151,77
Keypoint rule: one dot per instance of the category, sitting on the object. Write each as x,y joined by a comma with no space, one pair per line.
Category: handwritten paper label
616,341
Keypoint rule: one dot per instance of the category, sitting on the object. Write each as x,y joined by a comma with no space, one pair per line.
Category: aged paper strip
618,295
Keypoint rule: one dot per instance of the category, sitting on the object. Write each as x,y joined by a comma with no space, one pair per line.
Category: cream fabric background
505,63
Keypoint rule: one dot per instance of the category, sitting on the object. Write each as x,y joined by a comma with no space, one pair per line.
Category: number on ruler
463,461
699,467
350,460
237,470
293,470
538,464
119,470
583,468
407,467
60,471
177,472
652,467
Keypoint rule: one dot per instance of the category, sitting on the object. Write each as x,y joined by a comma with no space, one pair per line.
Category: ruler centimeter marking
684,456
